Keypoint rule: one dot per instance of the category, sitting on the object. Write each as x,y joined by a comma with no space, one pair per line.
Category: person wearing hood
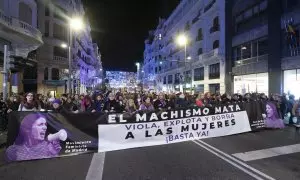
56,106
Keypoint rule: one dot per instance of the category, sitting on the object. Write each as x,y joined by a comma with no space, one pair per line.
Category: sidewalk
3,138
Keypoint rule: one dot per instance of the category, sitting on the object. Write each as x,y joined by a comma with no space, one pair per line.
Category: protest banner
39,135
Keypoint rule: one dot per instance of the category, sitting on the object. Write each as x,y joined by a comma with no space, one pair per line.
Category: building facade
53,66
265,46
19,31
200,65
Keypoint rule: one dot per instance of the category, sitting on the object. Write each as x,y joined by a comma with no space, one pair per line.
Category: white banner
131,135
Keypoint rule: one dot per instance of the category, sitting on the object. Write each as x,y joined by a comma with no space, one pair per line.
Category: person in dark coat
99,103
182,102
291,103
172,101
121,104
111,104
283,106
12,104
161,102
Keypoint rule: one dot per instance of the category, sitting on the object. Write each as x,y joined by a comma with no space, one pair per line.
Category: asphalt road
206,159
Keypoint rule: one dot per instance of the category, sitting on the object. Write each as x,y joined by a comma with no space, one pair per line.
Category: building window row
250,49
254,16
214,73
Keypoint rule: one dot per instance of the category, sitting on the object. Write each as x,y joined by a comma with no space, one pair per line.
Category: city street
215,158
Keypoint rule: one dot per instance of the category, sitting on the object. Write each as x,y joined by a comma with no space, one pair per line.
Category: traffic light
16,63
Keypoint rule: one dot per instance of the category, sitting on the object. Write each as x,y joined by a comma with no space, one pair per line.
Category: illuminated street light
244,48
64,45
76,24
160,62
182,40
189,58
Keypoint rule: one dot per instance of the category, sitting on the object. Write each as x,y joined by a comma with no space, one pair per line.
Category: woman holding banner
31,141
146,105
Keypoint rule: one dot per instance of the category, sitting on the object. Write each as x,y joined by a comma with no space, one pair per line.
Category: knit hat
57,101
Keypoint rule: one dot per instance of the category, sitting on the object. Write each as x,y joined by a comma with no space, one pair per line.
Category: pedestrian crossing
268,153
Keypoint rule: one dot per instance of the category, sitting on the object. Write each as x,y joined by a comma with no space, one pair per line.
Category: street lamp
75,24
138,69
64,45
182,41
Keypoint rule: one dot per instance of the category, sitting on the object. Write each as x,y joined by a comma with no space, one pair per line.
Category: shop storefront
251,83
291,82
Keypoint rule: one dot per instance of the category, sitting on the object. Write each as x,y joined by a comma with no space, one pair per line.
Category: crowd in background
120,102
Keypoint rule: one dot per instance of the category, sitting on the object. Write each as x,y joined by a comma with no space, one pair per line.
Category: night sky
120,27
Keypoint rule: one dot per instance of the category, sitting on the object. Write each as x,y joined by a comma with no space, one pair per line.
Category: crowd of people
120,102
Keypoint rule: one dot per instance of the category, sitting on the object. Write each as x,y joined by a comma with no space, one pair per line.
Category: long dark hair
84,104
31,105
26,127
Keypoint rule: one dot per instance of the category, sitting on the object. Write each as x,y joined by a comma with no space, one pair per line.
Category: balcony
60,60
54,82
210,57
24,37
251,65
209,6
292,61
